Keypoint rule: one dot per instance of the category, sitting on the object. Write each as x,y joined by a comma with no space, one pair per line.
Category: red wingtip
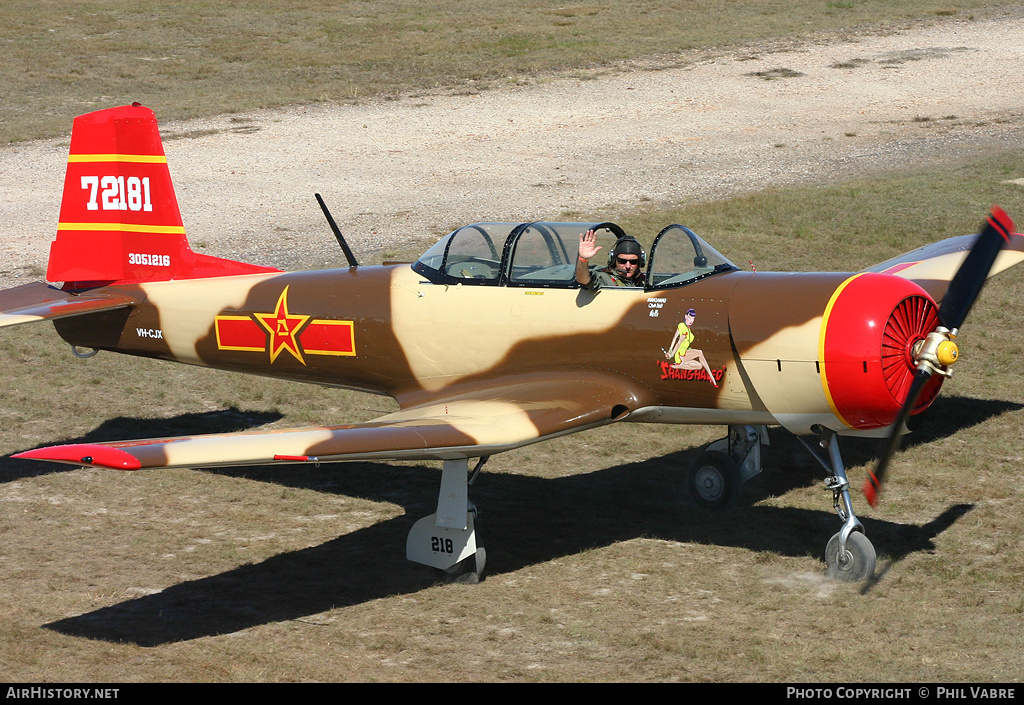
84,454
871,489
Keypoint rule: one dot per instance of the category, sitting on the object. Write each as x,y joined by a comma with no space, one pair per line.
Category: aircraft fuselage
386,330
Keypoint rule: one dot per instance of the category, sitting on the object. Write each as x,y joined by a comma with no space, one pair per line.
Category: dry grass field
600,568
197,58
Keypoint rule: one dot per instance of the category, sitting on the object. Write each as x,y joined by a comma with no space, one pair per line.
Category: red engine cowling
869,331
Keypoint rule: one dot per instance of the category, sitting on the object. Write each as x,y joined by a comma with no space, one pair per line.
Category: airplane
488,343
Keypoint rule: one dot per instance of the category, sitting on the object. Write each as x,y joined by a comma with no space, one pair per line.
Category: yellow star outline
283,327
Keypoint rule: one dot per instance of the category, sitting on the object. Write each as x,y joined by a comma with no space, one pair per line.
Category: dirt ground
407,170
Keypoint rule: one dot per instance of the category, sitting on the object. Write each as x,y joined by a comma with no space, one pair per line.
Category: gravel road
408,170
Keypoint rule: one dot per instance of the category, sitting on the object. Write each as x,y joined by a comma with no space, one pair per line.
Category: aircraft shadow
524,521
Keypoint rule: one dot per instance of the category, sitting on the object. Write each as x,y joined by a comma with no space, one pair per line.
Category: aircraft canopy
543,254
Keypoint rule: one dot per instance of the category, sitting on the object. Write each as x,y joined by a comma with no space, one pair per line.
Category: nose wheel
850,564
849,555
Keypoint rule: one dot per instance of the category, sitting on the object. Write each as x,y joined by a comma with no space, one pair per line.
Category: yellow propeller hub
947,353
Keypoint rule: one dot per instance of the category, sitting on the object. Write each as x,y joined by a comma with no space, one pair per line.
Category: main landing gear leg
447,540
849,555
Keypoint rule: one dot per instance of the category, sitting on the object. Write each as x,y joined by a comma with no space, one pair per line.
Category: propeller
937,351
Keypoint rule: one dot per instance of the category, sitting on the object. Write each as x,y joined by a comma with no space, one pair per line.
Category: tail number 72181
118,193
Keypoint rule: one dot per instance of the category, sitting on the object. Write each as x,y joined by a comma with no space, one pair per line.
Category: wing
40,302
475,422
932,267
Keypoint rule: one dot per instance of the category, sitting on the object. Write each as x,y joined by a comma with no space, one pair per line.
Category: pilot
624,265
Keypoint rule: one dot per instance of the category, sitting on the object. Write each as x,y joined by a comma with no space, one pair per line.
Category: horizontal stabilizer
469,424
41,302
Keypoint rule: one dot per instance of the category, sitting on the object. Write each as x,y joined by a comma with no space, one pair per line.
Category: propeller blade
960,295
970,278
873,482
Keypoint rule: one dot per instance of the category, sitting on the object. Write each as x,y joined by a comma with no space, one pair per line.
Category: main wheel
715,481
855,564
468,571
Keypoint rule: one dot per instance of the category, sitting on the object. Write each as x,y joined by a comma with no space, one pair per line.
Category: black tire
468,571
714,481
856,565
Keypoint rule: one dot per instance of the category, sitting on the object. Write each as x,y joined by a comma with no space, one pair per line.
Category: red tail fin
119,217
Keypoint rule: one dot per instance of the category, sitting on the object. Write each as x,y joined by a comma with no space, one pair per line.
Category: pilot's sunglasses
626,261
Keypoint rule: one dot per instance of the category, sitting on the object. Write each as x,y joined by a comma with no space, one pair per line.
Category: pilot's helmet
627,246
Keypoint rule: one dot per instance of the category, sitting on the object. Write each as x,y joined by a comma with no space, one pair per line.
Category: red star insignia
283,328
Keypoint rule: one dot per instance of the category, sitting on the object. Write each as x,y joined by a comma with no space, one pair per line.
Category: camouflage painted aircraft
488,343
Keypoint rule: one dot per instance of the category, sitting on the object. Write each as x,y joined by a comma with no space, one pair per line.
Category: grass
599,569
196,58
853,224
